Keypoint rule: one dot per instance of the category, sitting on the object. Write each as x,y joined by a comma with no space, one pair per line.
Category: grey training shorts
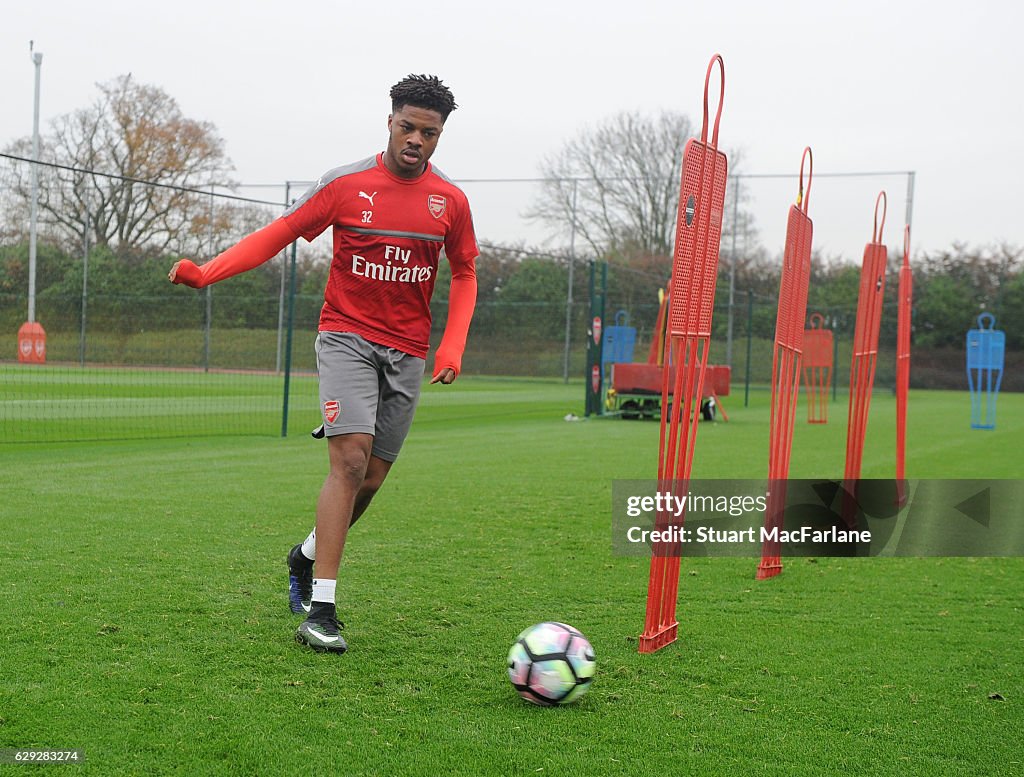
367,388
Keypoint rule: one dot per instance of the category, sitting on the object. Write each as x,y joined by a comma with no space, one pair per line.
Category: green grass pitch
144,615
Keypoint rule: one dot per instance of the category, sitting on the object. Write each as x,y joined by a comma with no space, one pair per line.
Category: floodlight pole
37,59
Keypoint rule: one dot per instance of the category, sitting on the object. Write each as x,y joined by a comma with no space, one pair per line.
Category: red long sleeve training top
388,235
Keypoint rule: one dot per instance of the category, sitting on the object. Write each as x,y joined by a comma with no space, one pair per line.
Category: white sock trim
323,590
309,546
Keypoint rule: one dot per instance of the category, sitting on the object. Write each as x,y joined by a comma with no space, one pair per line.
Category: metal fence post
85,284
750,342
288,343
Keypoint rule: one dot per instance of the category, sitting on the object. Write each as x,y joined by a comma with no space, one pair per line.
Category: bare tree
619,184
135,132
616,181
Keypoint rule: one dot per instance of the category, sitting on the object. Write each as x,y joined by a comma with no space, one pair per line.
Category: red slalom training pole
691,303
789,337
865,356
904,311
817,363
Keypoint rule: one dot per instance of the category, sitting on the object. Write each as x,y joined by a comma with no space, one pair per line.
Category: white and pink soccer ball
551,663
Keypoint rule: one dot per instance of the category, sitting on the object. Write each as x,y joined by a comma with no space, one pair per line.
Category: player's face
414,133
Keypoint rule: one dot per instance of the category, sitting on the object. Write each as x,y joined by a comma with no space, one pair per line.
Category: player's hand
445,376
185,271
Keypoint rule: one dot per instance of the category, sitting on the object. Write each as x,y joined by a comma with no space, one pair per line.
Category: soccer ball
551,663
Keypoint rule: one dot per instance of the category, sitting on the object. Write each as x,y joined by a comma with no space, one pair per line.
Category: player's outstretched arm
252,251
461,303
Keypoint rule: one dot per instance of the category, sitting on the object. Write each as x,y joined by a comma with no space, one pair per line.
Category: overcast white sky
297,88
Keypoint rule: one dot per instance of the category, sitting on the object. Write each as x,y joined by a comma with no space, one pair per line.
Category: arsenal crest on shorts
436,204
331,410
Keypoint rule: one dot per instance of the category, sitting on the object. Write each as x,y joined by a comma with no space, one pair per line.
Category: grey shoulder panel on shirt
436,171
332,175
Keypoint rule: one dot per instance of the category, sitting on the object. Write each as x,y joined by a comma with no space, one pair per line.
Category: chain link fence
128,354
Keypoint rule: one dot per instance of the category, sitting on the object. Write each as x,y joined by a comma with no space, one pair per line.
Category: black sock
298,558
322,610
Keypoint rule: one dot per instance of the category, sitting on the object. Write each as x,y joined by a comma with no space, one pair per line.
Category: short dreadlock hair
422,91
